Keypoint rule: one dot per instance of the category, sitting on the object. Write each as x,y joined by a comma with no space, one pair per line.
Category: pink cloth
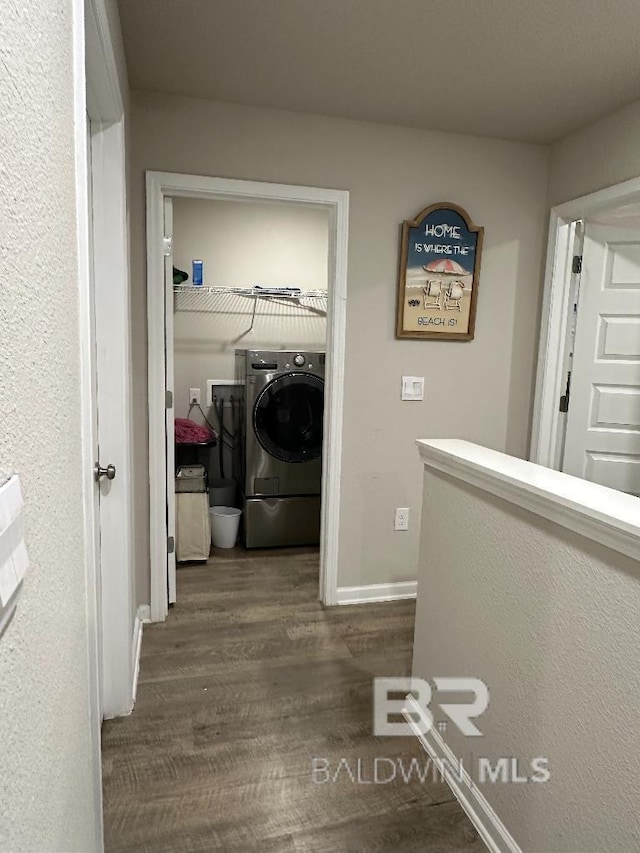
189,432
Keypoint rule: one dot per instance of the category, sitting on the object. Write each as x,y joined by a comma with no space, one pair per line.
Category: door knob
109,472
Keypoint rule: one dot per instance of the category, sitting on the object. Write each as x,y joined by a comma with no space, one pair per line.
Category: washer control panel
263,362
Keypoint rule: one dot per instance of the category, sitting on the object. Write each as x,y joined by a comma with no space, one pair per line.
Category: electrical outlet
401,521
194,395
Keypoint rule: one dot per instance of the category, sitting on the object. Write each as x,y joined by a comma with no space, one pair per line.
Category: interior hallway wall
242,244
47,782
600,155
480,391
553,618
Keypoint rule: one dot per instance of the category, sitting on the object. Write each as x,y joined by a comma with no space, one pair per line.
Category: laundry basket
225,521
193,534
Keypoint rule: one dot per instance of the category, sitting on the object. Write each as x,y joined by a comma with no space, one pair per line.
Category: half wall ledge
596,512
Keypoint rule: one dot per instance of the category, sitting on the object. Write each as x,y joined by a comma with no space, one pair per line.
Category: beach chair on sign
431,295
452,296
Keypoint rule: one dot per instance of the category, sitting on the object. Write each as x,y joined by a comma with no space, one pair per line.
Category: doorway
332,204
587,409
249,349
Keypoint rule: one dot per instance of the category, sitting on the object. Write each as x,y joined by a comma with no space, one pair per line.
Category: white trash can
225,521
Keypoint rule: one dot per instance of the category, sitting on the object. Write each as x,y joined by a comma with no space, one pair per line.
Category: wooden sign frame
440,300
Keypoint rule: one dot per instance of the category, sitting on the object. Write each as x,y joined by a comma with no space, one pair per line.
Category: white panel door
112,365
603,424
170,425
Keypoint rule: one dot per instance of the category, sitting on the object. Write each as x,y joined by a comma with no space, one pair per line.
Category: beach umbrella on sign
446,267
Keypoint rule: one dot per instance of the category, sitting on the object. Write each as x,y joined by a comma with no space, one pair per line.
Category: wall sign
439,275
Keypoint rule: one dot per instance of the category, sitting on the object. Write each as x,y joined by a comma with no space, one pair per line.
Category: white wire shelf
266,292
189,297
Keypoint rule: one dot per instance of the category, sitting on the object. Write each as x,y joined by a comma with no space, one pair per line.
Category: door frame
87,426
336,202
546,434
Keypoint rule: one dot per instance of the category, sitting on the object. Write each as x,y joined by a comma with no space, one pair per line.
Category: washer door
287,417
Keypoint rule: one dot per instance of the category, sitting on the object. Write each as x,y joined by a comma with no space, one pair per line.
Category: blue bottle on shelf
196,272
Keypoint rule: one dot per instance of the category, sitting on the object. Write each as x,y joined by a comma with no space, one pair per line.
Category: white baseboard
490,828
143,615
376,592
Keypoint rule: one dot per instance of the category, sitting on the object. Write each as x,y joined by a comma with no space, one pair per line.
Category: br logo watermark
412,698
403,707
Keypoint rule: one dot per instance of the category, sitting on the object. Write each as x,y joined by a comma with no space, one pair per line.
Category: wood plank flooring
247,682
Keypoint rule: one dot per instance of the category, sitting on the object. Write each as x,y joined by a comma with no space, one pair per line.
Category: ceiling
530,70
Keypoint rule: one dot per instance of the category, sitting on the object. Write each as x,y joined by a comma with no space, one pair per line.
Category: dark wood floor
246,683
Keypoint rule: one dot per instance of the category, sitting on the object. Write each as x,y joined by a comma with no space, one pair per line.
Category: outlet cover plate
401,520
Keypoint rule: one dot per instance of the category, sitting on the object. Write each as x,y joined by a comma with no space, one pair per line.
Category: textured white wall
480,391
604,153
46,781
549,620
242,244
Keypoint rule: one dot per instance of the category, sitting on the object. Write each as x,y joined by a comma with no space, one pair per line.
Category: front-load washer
282,446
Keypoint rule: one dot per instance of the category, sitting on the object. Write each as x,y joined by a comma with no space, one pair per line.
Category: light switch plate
413,387
14,559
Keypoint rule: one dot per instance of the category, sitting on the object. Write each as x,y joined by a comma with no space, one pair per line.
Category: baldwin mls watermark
402,707
383,770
